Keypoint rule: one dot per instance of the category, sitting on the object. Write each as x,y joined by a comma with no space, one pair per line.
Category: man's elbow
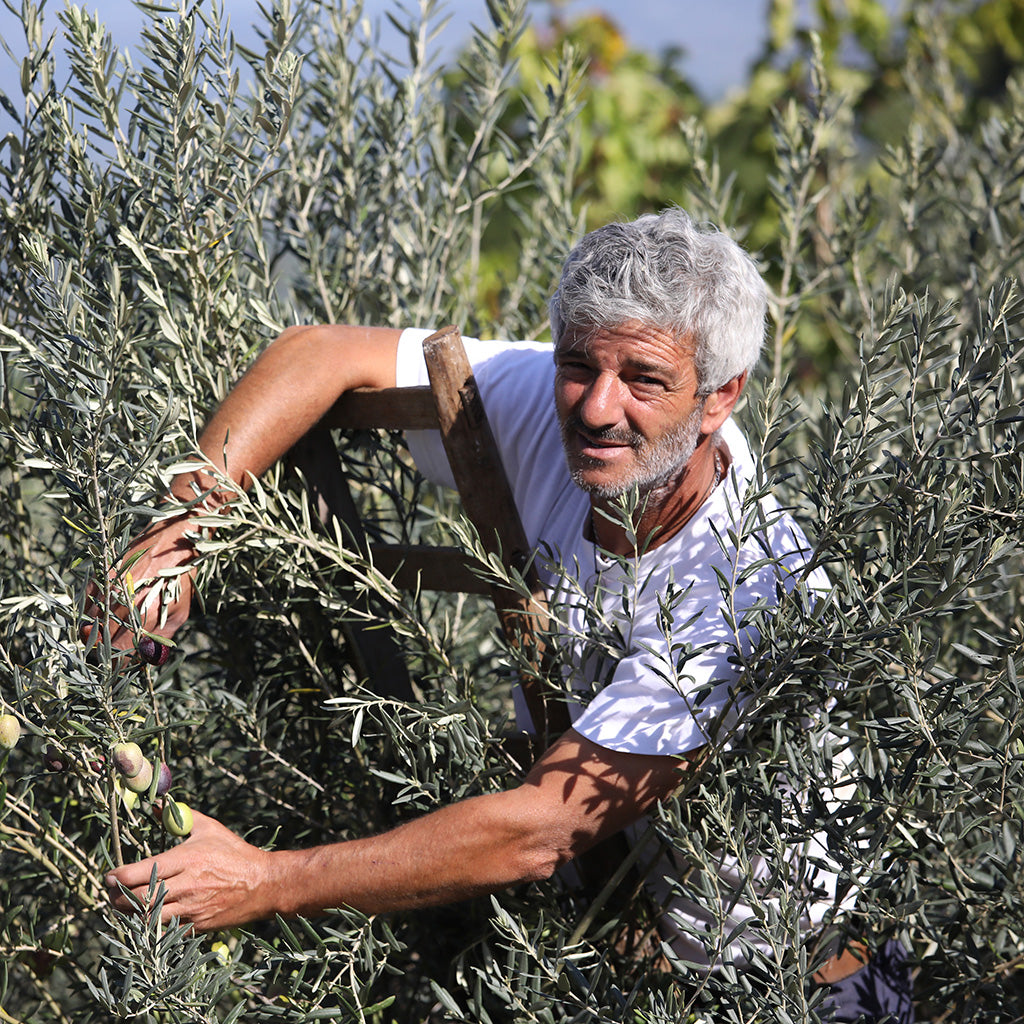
541,849
294,336
539,863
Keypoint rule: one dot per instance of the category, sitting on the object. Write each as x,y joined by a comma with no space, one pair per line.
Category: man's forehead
641,345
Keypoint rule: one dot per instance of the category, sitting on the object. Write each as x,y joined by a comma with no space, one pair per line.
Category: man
656,326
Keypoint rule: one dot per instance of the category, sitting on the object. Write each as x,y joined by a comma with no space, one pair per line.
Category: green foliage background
163,218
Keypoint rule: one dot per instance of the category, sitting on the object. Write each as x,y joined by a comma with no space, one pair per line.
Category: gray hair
667,272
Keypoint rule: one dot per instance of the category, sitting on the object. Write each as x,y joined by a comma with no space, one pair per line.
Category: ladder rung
412,566
386,408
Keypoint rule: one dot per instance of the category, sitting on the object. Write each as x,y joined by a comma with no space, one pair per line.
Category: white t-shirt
651,643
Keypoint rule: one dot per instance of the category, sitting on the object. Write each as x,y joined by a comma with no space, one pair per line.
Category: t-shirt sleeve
425,445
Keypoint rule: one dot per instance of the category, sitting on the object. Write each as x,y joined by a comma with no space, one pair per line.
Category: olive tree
166,213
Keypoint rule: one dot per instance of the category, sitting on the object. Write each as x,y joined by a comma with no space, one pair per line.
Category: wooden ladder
451,404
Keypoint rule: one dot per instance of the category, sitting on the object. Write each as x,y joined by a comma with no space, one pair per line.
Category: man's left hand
213,880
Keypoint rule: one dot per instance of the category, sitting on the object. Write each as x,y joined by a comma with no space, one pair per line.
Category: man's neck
663,510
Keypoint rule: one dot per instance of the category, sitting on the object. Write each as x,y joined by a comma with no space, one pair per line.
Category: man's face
628,407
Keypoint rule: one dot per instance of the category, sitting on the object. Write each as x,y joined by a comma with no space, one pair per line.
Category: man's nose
601,404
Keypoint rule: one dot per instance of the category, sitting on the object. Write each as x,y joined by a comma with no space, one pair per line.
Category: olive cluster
136,775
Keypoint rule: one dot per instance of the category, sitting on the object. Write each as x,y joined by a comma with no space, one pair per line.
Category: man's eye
573,366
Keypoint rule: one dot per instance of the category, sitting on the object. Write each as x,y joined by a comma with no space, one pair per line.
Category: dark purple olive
54,760
42,961
163,779
152,651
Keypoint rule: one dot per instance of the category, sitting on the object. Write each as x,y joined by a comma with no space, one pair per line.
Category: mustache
573,424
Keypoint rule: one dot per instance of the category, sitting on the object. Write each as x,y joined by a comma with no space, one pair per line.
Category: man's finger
130,900
175,910
141,899
138,875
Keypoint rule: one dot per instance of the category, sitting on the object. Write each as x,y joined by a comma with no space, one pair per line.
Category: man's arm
577,794
287,391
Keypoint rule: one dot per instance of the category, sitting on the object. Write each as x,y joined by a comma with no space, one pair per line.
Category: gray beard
658,462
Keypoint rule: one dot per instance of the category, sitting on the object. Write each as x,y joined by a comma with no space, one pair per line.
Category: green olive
177,818
142,780
130,799
10,732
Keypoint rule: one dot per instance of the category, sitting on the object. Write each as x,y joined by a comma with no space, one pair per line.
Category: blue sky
720,39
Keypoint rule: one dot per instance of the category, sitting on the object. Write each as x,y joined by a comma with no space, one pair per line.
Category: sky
720,39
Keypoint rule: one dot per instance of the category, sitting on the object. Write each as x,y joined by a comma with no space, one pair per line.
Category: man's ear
719,404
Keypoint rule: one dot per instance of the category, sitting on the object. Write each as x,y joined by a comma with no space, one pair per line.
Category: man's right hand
286,392
146,578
